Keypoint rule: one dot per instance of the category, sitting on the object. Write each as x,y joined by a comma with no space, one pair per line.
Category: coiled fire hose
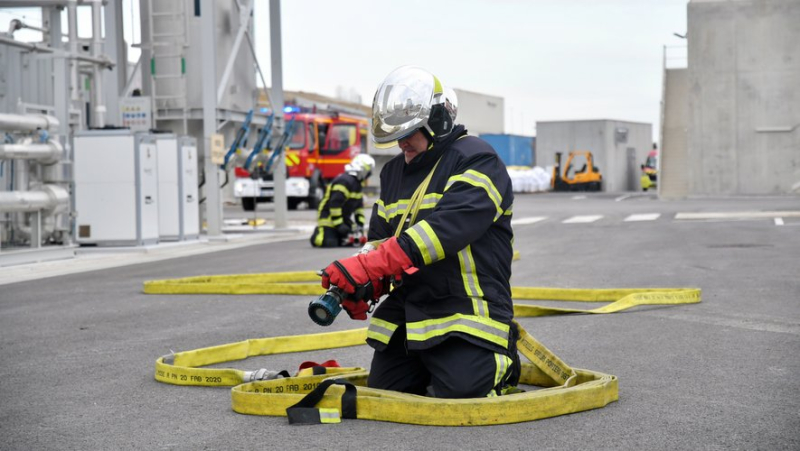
311,397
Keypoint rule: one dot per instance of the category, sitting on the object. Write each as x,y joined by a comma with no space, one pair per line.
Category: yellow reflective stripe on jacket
388,212
468,273
336,211
380,330
427,242
341,188
355,196
330,222
477,326
479,180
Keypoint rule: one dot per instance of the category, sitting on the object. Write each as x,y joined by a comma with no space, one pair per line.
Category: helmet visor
402,104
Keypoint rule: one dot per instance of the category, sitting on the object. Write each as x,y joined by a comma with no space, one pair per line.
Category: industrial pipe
47,153
72,29
97,47
103,61
48,197
27,122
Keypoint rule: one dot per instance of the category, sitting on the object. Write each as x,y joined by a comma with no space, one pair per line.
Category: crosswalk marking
738,215
528,220
582,219
643,217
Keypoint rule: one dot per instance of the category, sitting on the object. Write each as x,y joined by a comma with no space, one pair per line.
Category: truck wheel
292,203
316,191
249,203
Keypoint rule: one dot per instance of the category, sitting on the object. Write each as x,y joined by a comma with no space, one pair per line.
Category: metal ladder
169,31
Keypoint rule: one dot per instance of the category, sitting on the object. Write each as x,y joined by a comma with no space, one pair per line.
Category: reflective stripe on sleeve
427,242
381,210
341,189
479,180
380,330
336,211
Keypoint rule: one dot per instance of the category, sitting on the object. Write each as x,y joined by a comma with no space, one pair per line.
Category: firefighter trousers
325,237
455,368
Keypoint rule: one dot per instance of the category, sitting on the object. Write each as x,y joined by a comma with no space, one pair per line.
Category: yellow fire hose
557,389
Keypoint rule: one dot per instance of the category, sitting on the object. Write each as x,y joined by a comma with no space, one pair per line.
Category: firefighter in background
343,200
444,218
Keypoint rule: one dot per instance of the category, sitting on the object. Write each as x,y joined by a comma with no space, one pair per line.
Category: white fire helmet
361,166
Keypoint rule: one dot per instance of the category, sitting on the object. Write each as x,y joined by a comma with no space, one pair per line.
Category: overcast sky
549,60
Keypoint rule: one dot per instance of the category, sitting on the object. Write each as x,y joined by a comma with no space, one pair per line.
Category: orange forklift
587,178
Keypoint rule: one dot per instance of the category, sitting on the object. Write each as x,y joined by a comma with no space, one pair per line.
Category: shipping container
514,150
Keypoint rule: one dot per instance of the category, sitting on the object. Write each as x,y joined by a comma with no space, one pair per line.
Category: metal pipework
47,153
27,122
97,47
72,29
41,48
51,198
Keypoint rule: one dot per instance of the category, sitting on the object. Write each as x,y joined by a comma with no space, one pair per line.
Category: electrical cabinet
116,188
178,211
169,227
188,168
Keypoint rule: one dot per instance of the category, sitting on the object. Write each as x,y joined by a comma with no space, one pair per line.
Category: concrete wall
480,113
608,140
673,171
744,96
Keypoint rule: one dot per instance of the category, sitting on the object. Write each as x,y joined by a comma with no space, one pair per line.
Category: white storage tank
116,188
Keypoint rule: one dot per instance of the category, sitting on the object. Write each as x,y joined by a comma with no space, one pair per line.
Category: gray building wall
744,96
673,171
480,113
618,147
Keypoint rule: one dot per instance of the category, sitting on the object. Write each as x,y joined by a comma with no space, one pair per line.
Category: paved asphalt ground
78,349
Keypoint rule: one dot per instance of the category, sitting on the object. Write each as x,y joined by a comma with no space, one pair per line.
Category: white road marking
578,197
582,219
528,220
778,221
738,215
643,217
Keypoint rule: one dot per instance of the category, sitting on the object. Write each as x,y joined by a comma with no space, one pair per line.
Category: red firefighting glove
356,309
366,275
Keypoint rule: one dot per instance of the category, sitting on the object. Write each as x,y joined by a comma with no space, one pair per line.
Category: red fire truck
316,151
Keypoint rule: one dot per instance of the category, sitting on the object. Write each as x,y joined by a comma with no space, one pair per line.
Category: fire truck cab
319,147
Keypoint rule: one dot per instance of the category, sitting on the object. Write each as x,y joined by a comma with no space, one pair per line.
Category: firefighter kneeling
343,200
442,225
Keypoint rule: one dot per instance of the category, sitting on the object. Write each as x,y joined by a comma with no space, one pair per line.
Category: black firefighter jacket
461,242
343,199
